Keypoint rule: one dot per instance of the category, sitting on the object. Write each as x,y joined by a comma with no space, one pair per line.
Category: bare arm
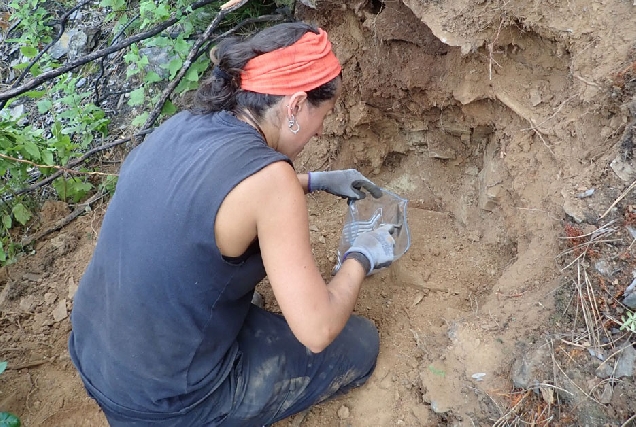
303,178
315,311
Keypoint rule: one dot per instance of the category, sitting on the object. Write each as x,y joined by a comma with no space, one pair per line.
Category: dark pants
275,376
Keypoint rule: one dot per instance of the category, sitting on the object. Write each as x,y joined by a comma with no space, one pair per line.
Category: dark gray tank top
158,310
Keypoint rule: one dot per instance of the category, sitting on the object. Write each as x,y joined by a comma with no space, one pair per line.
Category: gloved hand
344,183
376,246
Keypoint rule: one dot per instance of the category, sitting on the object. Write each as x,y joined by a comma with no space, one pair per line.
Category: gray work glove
346,183
376,246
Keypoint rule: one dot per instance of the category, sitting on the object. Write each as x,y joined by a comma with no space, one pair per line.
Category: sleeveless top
158,309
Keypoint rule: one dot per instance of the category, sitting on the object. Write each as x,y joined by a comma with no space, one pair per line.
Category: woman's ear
297,102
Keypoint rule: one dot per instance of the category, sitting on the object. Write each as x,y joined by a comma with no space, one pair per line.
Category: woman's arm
315,311
303,178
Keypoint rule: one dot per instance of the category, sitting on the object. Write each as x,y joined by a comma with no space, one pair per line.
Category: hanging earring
291,122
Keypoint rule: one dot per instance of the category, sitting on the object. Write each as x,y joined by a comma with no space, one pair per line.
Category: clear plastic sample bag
367,215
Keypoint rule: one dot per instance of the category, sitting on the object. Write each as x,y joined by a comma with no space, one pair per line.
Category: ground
496,121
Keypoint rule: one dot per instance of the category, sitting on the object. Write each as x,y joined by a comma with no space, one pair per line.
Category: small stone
32,277
626,361
630,301
535,97
60,312
343,412
27,303
50,298
72,288
608,392
418,298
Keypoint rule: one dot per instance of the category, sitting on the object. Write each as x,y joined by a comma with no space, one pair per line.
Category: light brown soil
490,117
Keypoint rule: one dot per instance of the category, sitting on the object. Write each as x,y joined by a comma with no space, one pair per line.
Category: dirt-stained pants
275,376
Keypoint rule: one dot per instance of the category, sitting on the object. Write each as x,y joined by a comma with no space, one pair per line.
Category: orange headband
303,66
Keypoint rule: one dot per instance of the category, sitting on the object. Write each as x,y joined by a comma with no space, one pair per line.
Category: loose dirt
493,118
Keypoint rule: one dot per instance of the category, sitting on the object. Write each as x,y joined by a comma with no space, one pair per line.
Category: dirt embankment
492,118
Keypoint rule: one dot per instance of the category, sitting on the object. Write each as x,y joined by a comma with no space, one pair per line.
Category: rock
72,43
32,277
27,303
439,408
535,97
625,363
623,169
50,298
608,392
158,58
526,369
630,301
60,312
489,198
585,194
257,300
604,371
574,210
603,267
343,412
72,288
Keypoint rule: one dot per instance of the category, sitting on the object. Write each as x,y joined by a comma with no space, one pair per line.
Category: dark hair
222,89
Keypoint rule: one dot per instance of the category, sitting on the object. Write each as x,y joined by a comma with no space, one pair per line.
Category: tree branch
77,161
11,93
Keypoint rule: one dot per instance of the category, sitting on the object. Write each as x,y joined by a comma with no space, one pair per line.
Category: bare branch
11,93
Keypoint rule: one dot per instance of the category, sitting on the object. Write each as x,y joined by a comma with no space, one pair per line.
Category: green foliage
629,322
65,120
7,419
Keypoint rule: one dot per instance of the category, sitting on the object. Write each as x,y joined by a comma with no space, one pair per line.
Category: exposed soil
493,119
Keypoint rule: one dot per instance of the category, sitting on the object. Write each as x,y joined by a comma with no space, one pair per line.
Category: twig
504,417
80,209
77,161
62,23
35,82
621,197
98,79
28,365
60,168
538,133
629,420
587,81
555,363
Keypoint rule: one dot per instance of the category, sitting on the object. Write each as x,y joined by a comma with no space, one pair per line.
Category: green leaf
35,69
9,420
35,94
7,222
168,108
32,149
140,119
44,105
29,51
47,157
182,46
3,254
137,97
174,66
3,365
435,371
152,77
21,66
21,213
192,75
